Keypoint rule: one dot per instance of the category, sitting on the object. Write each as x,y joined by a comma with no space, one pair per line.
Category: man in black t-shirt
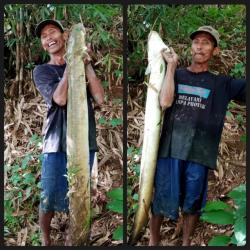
51,81
196,102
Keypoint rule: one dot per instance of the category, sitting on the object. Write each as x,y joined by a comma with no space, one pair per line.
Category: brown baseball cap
42,24
210,30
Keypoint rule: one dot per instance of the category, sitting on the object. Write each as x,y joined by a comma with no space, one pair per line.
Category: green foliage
132,151
239,70
229,114
218,212
115,204
23,191
114,122
105,84
116,194
240,119
11,221
103,25
118,233
35,239
215,206
220,240
243,138
175,23
133,154
35,140
220,217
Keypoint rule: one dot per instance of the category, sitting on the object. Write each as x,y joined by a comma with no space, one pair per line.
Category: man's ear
216,51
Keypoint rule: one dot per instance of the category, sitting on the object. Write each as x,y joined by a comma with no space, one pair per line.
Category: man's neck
197,68
57,59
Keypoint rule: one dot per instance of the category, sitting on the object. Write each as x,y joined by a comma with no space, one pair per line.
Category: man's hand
170,57
166,96
87,59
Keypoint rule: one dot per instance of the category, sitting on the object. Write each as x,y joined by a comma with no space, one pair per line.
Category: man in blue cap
195,101
51,80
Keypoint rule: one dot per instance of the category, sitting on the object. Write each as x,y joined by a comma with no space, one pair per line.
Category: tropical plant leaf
118,233
218,217
115,206
220,240
240,231
241,211
215,205
233,240
238,194
116,194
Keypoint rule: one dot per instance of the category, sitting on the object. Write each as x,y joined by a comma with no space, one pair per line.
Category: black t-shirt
46,78
193,125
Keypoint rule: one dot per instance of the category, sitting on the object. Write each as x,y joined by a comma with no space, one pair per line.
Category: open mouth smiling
51,43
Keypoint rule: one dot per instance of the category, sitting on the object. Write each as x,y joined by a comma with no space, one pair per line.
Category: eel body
152,129
77,139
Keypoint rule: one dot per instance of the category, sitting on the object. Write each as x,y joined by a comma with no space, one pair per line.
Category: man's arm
95,86
61,92
166,96
238,90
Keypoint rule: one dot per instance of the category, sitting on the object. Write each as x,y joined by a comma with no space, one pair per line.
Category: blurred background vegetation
25,113
22,50
175,23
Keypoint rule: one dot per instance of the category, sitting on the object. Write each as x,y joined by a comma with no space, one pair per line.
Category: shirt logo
191,90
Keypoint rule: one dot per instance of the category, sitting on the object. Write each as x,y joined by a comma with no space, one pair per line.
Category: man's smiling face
52,39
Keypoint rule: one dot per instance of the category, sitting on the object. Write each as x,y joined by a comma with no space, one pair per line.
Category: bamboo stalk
21,52
17,48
